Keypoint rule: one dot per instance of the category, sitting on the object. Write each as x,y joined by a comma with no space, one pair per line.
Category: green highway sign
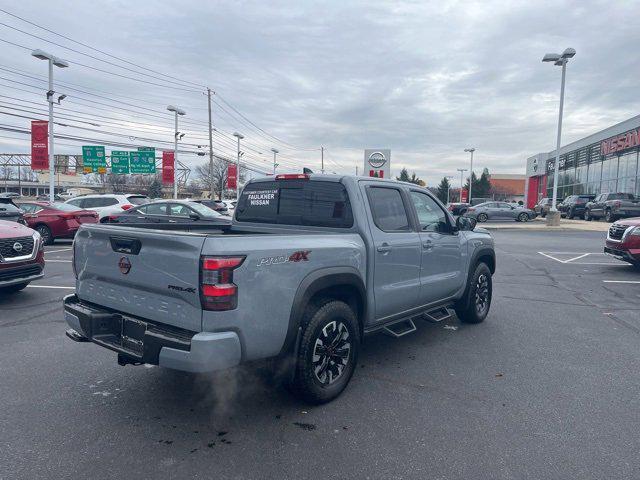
94,159
147,149
143,161
119,162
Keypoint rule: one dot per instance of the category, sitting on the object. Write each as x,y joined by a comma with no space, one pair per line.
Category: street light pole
275,152
470,150
177,111
461,170
239,136
58,62
211,179
559,60
448,187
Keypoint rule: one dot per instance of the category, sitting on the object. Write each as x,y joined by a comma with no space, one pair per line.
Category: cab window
430,216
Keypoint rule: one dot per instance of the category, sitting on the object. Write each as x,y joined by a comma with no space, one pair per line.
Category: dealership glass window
627,185
593,174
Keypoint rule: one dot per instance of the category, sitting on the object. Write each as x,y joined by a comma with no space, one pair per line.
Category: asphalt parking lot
546,387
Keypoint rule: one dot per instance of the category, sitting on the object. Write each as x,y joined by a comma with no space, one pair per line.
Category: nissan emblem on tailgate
124,265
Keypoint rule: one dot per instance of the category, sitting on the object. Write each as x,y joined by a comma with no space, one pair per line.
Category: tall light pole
211,179
470,150
58,62
239,136
461,170
559,60
275,152
177,111
449,187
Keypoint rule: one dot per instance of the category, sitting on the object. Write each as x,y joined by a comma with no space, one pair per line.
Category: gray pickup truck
310,264
612,206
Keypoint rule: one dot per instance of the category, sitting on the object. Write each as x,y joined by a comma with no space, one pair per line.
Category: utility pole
462,170
177,111
322,159
275,152
239,136
211,180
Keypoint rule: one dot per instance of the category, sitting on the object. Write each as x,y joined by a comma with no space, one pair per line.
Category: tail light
126,206
292,176
217,290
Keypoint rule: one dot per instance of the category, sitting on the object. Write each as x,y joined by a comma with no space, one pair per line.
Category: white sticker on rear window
262,197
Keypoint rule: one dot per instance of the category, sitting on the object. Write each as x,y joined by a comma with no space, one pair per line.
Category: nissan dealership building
606,161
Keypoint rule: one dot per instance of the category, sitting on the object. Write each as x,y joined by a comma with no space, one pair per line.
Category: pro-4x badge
299,256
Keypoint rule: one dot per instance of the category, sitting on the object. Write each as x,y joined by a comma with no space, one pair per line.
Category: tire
45,233
474,306
483,217
14,288
570,214
523,217
609,216
587,215
329,322
543,213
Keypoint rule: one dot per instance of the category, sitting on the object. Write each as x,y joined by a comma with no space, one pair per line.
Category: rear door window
296,202
387,207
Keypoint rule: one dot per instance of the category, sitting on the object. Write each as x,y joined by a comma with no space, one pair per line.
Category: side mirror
466,223
194,216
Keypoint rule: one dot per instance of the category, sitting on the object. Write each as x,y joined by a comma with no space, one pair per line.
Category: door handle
384,248
428,245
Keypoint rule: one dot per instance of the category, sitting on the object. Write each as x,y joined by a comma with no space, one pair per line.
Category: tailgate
150,274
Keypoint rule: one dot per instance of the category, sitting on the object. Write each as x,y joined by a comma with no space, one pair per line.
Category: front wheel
45,233
474,306
570,214
483,217
587,216
523,217
328,352
609,216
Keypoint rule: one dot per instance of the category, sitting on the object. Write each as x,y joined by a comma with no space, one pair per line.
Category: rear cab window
296,202
388,209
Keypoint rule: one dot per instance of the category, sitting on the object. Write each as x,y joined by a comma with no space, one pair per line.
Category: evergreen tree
404,177
481,186
443,190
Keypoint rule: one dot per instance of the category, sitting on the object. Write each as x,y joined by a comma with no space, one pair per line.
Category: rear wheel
523,217
328,352
543,213
609,216
45,233
474,306
570,214
483,217
587,215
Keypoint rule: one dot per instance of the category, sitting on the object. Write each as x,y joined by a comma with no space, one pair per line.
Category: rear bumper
143,341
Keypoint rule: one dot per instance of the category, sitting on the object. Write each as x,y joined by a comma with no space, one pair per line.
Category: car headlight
635,231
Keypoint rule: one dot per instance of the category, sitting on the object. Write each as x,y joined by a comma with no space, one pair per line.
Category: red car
21,256
55,220
623,240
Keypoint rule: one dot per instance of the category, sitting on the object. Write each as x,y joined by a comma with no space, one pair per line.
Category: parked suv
21,256
544,205
623,241
56,220
309,265
612,206
108,204
574,205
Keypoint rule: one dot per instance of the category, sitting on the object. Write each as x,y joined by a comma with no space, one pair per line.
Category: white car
108,204
66,195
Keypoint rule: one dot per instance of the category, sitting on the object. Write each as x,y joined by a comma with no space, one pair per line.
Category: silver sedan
500,211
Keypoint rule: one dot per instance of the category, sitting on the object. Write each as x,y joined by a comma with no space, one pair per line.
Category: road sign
119,162
94,157
143,161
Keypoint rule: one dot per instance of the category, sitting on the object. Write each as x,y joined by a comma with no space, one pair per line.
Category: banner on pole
464,195
39,145
168,174
232,175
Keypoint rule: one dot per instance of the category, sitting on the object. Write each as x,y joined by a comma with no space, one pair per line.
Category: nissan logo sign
124,265
17,247
377,159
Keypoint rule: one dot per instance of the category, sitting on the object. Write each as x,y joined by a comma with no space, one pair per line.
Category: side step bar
438,315
400,329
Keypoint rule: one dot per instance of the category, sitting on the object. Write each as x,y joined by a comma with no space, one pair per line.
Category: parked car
500,211
309,265
108,204
574,205
458,208
45,198
21,256
612,206
170,211
56,220
217,205
623,240
66,195
10,195
544,205
10,212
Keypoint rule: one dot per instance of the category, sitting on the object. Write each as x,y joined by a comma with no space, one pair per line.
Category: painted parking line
572,257
622,281
61,250
58,261
51,286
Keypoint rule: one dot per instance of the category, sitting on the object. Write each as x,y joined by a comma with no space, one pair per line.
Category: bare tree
204,176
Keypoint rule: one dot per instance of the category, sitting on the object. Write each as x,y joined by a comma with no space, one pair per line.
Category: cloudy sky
425,79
